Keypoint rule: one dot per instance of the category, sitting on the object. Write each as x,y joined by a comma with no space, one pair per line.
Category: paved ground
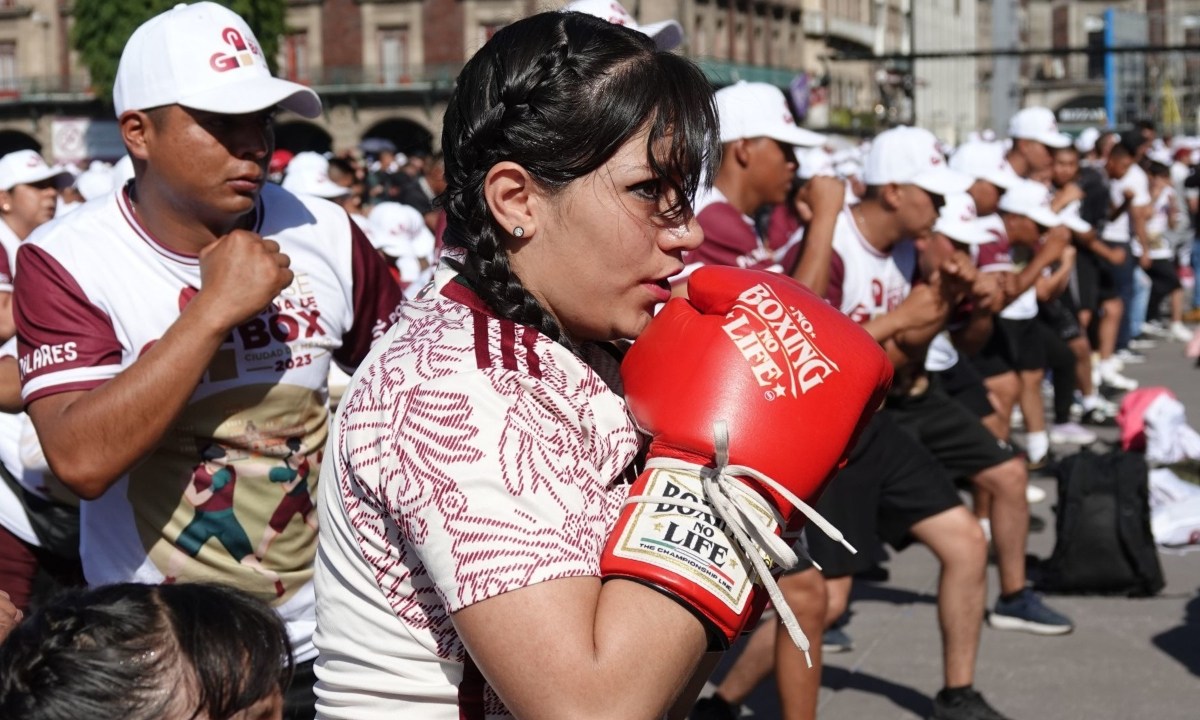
1127,659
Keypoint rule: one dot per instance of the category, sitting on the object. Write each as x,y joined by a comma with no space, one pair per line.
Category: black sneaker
1027,612
964,704
714,707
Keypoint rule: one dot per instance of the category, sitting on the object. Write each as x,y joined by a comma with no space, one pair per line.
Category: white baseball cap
910,156
667,35
752,110
1086,141
1037,124
984,161
313,181
1031,199
814,162
1070,217
26,167
958,221
97,181
400,231
202,56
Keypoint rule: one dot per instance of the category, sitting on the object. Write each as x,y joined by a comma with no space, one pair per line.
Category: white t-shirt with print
97,290
471,457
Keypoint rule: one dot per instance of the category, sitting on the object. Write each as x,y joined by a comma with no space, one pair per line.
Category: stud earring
518,232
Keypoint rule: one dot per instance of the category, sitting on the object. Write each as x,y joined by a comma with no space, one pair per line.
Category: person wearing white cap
1034,133
864,259
666,34
984,161
400,233
758,165
28,193
177,334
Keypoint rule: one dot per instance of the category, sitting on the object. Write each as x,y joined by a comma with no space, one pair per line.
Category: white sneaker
1156,330
1140,344
1071,434
1180,332
1034,494
1130,356
1114,379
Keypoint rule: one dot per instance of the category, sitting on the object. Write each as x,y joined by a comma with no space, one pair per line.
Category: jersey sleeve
837,278
65,342
377,299
1140,185
727,237
496,487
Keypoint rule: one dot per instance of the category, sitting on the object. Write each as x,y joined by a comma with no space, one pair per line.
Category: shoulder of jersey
85,225
283,207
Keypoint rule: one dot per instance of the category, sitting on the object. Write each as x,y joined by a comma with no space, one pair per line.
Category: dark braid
559,94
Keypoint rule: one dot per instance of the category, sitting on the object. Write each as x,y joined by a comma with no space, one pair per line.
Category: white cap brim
942,180
796,136
667,34
1040,215
1004,179
1053,140
62,179
253,95
968,233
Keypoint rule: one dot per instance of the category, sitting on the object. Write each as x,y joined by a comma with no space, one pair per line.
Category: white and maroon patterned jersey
97,290
997,256
865,283
471,456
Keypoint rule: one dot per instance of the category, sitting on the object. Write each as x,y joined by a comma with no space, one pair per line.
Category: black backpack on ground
1103,541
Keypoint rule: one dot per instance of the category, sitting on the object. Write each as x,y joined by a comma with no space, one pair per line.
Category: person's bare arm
826,198
618,649
1056,240
687,699
1138,215
1053,285
1068,194
91,437
10,385
10,616
7,327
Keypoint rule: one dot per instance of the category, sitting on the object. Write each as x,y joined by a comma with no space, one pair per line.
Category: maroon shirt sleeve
377,300
727,237
58,326
782,224
837,276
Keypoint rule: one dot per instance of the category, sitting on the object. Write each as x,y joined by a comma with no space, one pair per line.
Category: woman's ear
512,197
5,202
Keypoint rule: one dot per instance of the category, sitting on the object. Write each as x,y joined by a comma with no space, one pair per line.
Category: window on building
487,30
1095,56
8,67
393,55
293,61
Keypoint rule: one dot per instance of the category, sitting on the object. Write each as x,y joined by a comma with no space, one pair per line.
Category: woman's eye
649,191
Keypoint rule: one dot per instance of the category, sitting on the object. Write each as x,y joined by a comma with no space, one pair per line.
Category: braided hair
132,651
559,94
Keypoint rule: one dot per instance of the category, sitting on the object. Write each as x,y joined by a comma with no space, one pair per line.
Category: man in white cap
893,487
666,34
758,166
177,335
1034,133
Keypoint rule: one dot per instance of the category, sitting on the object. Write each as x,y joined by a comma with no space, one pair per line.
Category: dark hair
559,93
212,451
1130,142
126,651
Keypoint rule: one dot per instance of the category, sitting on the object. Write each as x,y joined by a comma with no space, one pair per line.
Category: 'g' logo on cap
243,55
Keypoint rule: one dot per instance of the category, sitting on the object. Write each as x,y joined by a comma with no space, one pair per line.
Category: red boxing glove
789,382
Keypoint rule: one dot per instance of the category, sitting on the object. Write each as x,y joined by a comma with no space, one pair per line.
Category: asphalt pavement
1128,659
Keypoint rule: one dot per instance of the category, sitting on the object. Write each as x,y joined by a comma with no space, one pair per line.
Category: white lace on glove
753,537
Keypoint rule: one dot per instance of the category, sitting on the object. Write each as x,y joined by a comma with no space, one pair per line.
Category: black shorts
951,433
1014,345
1094,279
1164,277
1056,315
890,484
964,383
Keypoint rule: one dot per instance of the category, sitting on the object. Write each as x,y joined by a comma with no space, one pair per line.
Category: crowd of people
396,399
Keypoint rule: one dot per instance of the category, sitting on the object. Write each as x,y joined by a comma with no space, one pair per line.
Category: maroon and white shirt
997,256
865,282
97,290
731,239
471,456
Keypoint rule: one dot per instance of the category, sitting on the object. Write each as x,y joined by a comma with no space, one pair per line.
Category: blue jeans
1123,279
1136,310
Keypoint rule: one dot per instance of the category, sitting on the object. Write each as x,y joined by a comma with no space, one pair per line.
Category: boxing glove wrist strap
752,535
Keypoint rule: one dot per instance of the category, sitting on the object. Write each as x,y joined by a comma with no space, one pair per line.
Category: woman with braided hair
483,450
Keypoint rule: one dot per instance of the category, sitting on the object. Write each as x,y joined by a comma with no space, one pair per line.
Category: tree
102,28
